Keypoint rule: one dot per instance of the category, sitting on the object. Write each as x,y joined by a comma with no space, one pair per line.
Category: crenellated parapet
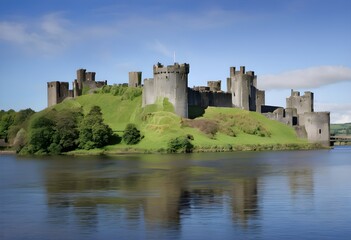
175,68
302,103
215,86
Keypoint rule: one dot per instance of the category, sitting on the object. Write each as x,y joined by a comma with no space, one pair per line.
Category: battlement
90,76
233,72
175,68
83,75
215,86
295,93
201,88
302,103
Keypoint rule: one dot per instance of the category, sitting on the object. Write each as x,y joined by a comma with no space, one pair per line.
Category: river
239,195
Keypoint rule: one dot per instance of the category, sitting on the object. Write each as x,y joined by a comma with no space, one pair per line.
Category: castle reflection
156,194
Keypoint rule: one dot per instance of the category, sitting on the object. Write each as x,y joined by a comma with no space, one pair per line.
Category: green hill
219,129
340,129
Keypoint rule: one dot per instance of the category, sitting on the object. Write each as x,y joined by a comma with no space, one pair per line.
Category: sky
303,45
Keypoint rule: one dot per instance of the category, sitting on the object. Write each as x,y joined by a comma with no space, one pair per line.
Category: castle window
320,131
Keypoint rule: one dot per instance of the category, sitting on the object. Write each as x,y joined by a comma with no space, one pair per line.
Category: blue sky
300,44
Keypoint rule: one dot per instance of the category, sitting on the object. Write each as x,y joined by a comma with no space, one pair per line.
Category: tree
66,128
21,120
93,132
6,121
41,134
131,134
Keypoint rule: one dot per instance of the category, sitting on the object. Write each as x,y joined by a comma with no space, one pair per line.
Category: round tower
317,125
172,82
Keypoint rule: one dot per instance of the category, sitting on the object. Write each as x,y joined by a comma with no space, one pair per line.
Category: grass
235,129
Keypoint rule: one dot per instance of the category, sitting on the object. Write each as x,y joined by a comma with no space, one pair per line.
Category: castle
59,91
171,82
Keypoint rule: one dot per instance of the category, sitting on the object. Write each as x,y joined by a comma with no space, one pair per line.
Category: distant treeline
340,129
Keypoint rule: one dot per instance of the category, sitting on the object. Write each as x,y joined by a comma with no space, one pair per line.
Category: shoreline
196,149
3,152
204,149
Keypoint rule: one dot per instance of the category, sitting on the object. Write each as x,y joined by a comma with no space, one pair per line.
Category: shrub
181,144
132,92
207,126
131,134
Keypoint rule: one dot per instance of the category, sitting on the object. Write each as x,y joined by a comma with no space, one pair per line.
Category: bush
131,134
207,126
181,144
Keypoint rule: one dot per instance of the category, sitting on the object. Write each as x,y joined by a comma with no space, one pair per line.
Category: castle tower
90,76
317,125
81,77
169,82
134,79
53,93
243,86
57,92
302,103
172,82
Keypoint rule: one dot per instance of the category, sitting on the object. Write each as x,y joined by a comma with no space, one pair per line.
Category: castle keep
59,91
169,82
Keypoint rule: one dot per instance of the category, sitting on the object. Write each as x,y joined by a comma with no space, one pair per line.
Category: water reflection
244,200
160,193
301,182
266,195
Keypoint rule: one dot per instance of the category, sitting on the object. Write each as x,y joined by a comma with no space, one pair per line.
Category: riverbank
201,149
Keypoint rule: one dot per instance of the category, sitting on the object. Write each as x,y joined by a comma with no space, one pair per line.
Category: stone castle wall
205,99
171,82
317,125
299,113
302,103
58,91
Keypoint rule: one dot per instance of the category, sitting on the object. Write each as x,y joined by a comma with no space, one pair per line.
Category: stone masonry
59,91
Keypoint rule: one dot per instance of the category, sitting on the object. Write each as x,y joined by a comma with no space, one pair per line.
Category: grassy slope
158,124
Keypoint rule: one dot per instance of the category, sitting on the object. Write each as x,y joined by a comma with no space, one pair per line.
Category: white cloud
339,113
46,36
306,78
50,34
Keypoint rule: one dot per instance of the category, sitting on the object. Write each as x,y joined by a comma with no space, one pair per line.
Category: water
245,195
